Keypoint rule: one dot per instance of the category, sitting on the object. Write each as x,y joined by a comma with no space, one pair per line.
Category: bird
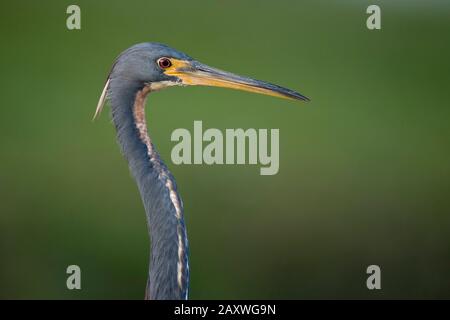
139,70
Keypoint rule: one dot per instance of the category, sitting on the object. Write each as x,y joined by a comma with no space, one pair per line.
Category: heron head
159,66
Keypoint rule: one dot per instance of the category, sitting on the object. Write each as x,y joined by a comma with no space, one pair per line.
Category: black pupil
164,63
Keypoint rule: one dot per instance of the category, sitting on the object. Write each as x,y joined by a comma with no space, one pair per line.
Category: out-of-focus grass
364,172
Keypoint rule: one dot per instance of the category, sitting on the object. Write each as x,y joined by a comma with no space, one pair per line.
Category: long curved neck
168,270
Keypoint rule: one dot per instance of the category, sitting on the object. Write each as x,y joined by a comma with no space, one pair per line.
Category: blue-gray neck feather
168,271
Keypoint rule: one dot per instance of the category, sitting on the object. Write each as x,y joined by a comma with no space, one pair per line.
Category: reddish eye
164,63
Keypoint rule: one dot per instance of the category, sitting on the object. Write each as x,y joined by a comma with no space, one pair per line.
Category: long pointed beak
196,73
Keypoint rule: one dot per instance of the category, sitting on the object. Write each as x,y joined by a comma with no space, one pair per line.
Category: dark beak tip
303,98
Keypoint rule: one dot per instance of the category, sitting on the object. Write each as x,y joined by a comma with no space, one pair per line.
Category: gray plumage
134,69
137,71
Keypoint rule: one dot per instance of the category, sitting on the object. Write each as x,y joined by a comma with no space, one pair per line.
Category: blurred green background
364,168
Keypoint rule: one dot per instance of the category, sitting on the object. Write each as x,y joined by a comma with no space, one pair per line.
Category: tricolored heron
139,70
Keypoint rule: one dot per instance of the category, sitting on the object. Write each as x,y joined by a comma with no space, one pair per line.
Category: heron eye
164,63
